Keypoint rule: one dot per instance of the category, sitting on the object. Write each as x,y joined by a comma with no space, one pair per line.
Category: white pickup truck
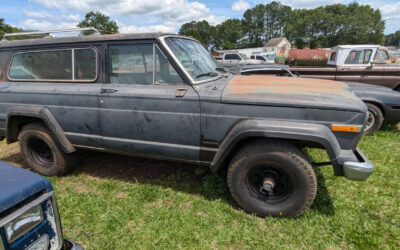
237,59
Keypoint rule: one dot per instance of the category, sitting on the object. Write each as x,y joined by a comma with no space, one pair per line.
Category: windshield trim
193,81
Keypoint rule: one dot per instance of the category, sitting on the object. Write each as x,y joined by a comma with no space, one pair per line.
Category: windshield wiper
211,73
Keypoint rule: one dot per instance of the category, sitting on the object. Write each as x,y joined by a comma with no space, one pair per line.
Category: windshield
194,58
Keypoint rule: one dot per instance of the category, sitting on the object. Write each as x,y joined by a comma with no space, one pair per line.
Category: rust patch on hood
294,92
248,85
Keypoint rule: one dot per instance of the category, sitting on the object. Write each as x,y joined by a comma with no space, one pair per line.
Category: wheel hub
268,184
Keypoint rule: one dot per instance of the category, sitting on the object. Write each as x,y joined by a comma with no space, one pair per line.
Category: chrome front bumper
70,245
358,170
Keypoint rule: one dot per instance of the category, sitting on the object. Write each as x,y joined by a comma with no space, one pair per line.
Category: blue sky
155,15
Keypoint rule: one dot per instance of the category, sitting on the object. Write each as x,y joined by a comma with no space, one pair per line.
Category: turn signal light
345,128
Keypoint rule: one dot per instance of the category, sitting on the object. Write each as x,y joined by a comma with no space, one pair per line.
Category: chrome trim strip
162,39
25,208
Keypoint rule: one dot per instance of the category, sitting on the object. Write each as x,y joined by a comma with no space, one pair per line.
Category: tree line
319,27
324,26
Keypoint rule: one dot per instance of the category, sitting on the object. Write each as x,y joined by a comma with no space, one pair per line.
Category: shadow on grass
323,202
182,177
394,128
15,158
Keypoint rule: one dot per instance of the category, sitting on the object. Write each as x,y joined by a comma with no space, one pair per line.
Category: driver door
147,109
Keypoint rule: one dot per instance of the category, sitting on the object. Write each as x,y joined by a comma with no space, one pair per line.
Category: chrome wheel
370,121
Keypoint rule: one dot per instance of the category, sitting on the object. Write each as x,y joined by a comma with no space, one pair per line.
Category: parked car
29,216
357,63
234,59
266,58
184,108
383,103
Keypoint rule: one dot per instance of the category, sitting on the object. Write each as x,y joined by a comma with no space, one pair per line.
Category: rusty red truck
371,64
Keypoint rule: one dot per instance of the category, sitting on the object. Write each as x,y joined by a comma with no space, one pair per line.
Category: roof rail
32,33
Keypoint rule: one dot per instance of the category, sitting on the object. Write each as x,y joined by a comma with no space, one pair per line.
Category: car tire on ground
272,178
375,119
41,153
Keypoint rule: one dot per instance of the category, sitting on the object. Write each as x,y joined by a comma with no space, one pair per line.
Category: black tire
375,119
41,153
294,178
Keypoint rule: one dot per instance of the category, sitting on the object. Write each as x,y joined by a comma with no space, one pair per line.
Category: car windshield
194,58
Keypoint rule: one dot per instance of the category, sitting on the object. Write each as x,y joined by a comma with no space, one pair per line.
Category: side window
85,64
165,72
131,64
43,65
333,57
55,65
232,57
260,58
358,57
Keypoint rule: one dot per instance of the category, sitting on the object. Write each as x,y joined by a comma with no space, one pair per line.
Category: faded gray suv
163,96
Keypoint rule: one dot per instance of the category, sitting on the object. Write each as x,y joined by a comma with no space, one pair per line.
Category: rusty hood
285,91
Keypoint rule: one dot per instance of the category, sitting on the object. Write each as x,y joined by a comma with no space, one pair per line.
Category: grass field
117,202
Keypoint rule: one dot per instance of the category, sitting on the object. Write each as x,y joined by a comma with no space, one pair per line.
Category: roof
78,39
17,185
358,46
274,41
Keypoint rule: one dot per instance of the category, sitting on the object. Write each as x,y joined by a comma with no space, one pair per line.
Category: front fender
300,131
41,113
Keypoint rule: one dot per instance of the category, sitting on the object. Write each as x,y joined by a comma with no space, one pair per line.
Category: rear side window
55,65
359,57
333,57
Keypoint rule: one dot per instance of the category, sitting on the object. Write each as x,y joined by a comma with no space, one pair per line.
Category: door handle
180,92
108,91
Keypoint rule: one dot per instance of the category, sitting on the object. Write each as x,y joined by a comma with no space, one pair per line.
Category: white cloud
144,29
32,24
167,15
37,14
240,6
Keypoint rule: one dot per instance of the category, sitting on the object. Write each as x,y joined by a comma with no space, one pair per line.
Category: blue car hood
17,184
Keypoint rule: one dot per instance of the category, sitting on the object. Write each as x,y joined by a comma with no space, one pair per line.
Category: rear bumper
356,167
70,245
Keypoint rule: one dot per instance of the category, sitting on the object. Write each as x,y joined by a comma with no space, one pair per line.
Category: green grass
118,202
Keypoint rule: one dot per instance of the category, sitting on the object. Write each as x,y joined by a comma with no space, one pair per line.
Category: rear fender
18,115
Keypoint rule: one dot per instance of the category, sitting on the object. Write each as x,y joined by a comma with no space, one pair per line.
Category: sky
156,15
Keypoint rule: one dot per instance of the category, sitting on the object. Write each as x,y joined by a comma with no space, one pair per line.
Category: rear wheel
375,119
272,179
41,153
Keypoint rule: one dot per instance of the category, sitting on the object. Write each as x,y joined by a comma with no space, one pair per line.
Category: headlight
22,224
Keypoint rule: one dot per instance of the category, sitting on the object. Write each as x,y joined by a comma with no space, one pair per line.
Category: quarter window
54,65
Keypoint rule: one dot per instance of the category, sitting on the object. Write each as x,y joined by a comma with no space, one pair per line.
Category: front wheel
375,119
272,178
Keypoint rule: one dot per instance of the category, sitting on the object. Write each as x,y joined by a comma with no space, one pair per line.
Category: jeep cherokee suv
163,96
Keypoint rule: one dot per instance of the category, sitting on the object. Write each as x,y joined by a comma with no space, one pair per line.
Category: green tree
99,21
5,28
202,31
335,24
228,34
393,39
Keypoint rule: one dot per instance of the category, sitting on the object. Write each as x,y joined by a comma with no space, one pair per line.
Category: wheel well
244,141
379,105
15,124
